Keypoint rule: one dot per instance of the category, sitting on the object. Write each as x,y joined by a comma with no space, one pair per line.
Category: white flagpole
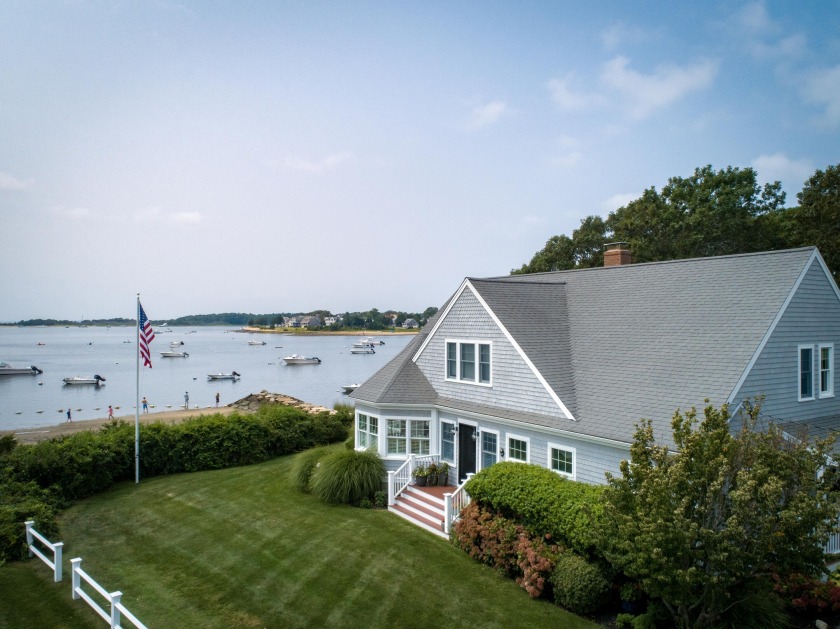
137,402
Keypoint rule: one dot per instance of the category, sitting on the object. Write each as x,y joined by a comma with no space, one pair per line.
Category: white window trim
799,372
527,441
480,441
378,427
830,392
557,446
383,428
454,440
475,343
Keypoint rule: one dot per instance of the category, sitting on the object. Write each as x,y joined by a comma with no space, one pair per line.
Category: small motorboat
174,354
298,359
95,380
223,376
7,370
362,349
349,388
370,341
175,343
256,342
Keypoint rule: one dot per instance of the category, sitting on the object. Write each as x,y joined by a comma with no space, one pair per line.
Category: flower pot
420,481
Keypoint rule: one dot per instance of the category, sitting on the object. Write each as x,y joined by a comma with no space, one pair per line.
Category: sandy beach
33,435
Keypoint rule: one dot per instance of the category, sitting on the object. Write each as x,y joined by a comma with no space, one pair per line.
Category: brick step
432,525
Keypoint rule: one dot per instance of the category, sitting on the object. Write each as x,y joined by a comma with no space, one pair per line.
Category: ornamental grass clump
348,476
305,466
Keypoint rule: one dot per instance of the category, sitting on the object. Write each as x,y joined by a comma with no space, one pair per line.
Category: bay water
42,400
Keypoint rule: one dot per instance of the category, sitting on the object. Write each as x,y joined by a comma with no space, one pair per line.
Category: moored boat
95,380
223,376
298,359
363,349
371,341
349,388
256,342
174,354
8,370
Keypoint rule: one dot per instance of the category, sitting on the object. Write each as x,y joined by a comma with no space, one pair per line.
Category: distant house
556,369
410,324
291,322
331,320
310,321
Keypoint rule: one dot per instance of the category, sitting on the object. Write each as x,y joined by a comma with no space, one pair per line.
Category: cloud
486,115
569,150
754,19
621,34
568,99
763,37
73,213
8,182
822,87
328,163
186,217
668,84
779,167
618,200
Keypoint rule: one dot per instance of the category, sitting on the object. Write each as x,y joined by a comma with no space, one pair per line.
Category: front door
466,451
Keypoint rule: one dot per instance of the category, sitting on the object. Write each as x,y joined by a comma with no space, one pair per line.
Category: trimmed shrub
20,502
380,499
547,504
305,466
579,585
348,476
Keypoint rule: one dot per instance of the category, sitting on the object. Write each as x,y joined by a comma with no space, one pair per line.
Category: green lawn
242,548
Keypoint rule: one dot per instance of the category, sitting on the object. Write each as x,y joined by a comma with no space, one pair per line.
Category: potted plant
443,473
432,475
420,474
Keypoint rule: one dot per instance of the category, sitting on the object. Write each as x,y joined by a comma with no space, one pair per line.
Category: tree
702,527
557,255
817,219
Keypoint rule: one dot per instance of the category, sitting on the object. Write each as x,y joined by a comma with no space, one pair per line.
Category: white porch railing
453,503
57,548
401,478
117,611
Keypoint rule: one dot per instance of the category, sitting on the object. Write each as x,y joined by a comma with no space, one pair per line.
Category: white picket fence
117,609
57,548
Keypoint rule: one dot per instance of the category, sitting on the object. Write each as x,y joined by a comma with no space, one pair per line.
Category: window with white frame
447,442
826,370
517,448
469,361
561,459
806,372
367,435
408,435
489,448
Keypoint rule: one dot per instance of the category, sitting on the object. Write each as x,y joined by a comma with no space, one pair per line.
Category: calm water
31,401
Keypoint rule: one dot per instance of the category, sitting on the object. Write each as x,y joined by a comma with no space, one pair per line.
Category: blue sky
289,156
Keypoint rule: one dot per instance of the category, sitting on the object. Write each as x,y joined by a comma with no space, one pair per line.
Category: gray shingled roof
626,342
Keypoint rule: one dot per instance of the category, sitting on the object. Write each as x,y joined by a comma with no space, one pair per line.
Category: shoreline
34,435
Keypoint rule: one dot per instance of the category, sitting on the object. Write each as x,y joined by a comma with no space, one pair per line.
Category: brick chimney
616,254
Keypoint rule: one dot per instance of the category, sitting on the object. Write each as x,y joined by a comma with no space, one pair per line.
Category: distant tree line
709,213
115,322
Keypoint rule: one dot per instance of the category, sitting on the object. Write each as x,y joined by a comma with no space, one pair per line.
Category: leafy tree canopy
700,528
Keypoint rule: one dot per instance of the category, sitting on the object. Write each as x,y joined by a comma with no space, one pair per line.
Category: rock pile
255,400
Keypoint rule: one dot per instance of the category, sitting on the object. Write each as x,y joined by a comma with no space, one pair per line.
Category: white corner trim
814,256
440,320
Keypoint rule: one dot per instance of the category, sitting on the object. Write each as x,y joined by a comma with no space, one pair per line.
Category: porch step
422,507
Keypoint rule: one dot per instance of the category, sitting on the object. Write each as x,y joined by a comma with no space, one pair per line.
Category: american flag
147,335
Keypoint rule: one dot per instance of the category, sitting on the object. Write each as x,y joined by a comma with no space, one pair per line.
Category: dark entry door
466,451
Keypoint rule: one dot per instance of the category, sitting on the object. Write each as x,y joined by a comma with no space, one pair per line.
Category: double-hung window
489,448
367,435
561,459
468,361
408,436
806,372
447,442
826,370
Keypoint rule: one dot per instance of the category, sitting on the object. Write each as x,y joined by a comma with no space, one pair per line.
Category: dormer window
468,361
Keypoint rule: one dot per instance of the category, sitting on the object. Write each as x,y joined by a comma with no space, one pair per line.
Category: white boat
175,343
174,354
297,359
370,341
7,370
223,376
363,349
349,388
256,342
95,380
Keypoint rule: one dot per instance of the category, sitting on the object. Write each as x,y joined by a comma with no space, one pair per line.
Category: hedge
548,505
38,480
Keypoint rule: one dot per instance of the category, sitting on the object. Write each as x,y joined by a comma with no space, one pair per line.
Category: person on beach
110,412
217,399
145,405
69,419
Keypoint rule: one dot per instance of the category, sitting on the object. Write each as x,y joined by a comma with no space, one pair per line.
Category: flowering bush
809,597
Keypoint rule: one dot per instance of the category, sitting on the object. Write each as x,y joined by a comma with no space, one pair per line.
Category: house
410,324
310,321
556,369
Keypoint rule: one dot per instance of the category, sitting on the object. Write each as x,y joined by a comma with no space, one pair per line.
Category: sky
290,156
